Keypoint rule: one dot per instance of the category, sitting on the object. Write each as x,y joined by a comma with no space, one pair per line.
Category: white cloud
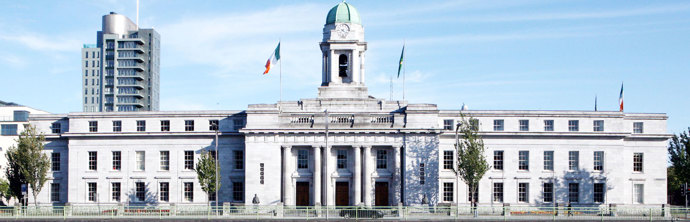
43,43
13,60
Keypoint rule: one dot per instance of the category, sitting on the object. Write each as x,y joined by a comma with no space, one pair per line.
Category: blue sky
505,55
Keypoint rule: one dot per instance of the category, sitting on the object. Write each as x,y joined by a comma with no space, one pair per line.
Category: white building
345,147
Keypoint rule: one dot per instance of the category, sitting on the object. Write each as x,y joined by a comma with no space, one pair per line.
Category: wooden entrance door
302,195
342,193
381,194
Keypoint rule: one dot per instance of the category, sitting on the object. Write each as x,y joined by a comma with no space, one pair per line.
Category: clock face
342,30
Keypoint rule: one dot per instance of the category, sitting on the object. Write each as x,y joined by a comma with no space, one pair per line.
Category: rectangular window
8,129
165,160
476,195
448,192
523,160
498,192
213,125
342,159
55,127
117,126
381,159
188,160
598,160
55,161
474,124
302,159
237,191
498,125
598,125
237,124
140,160
638,127
573,160
498,159
638,162
548,125
91,189
448,124
189,191
115,192
239,159
639,193
140,191
523,192
573,192
548,160
93,126
55,192
141,125
164,192
189,125
599,189
165,125
117,160
524,125
573,125
548,192
213,154
448,159
212,196
93,158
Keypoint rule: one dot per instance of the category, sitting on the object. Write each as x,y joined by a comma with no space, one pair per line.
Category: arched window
342,61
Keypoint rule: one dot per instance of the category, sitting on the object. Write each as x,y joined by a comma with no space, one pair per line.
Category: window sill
523,171
547,171
163,171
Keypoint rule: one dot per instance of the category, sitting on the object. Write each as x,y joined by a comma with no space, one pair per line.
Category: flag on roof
620,98
402,54
275,57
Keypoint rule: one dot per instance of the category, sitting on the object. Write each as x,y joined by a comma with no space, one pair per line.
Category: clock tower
343,48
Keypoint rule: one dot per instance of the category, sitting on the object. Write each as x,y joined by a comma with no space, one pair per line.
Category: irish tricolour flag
273,59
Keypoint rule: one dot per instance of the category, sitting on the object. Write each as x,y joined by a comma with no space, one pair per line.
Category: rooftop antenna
137,13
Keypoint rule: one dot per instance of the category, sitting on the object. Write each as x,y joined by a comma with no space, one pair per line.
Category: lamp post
215,124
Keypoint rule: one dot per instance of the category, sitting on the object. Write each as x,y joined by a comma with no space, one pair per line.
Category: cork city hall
364,151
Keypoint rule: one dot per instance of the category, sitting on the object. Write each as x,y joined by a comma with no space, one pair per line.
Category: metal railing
331,212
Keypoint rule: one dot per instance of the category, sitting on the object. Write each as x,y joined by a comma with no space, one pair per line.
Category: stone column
357,178
369,168
287,176
397,180
329,191
317,175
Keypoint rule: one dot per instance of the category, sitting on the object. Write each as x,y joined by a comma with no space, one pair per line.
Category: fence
330,212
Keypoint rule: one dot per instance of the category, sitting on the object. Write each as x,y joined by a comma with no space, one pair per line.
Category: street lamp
215,124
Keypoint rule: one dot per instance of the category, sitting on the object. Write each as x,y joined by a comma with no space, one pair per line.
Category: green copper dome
343,12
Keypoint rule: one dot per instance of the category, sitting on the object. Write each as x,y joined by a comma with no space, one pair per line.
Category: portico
349,175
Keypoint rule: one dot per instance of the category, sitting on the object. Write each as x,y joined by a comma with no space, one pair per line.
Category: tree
27,162
472,164
5,191
679,155
206,173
